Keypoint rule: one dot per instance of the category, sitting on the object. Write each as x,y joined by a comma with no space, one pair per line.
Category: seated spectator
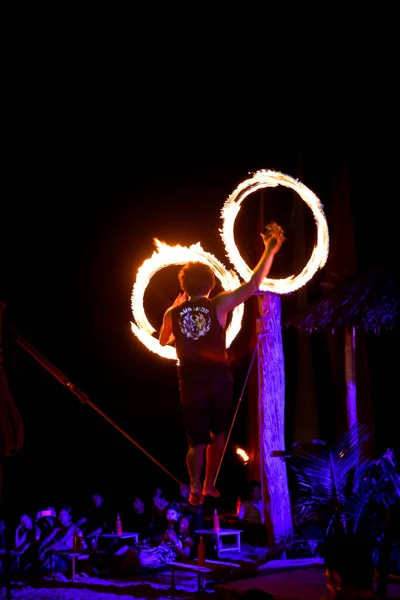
177,544
98,519
251,515
27,535
158,509
159,500
349,567
252,510
46,521
61,538
138,518
186,533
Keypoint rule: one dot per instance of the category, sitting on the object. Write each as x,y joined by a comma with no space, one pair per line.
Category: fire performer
196,325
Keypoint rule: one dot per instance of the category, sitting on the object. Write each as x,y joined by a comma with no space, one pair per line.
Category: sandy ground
284,579
156,586
297,584
159,588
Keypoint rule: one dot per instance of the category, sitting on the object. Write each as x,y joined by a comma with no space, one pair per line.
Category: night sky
90,179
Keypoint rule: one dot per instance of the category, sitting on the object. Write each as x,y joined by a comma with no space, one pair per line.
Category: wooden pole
271,399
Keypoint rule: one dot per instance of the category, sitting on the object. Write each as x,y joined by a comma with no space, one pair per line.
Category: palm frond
351,491
360,473
358,501
326,471
323,476
350,450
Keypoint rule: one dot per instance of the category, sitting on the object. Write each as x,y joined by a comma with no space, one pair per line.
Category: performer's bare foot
196,498
210,490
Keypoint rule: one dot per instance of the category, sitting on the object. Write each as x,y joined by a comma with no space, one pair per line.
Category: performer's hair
196,278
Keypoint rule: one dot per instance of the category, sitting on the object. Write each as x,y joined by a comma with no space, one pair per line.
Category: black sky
98,162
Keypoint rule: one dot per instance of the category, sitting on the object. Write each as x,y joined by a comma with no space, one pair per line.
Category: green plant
351,492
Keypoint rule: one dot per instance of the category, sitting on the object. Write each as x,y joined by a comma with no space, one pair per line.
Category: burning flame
230,210
162,257
243,454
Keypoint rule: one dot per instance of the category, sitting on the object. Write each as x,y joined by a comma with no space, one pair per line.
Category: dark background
103,156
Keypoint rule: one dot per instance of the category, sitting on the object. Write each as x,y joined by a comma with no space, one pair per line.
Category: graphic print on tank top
195,321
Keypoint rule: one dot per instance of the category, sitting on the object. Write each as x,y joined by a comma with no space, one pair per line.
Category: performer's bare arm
227,301
165,336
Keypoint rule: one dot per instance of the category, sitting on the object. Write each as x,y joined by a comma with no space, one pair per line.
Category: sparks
230,210
162,257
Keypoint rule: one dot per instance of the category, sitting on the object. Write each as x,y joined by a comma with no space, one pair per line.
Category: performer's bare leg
194,463
213,456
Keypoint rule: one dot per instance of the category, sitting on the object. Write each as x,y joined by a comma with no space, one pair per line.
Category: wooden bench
210,567
80,555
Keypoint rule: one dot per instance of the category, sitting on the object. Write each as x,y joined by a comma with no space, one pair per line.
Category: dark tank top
200,342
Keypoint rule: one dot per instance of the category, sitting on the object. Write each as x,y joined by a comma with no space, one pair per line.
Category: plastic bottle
238,506
76,541
216,523
201,552
118,526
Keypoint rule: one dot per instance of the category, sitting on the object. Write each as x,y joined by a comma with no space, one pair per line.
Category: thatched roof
368,301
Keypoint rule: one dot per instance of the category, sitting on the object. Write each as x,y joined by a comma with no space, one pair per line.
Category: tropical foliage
343,489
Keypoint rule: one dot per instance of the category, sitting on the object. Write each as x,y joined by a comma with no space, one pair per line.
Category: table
211,566
219,535
74,555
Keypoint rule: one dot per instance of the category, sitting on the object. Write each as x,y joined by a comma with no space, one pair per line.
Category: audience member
158,509
61,538
138,518
251,515
99,518
177,543
251,510
46,521
27,536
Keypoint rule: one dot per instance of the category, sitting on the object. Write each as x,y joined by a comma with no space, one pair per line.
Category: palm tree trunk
277,509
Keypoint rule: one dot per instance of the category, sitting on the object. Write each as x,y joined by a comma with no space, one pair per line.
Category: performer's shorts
206,407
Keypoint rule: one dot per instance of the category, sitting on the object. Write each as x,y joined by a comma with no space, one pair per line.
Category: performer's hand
180,299
273,236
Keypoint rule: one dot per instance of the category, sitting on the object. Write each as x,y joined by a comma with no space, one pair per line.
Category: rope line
236,412
84,399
